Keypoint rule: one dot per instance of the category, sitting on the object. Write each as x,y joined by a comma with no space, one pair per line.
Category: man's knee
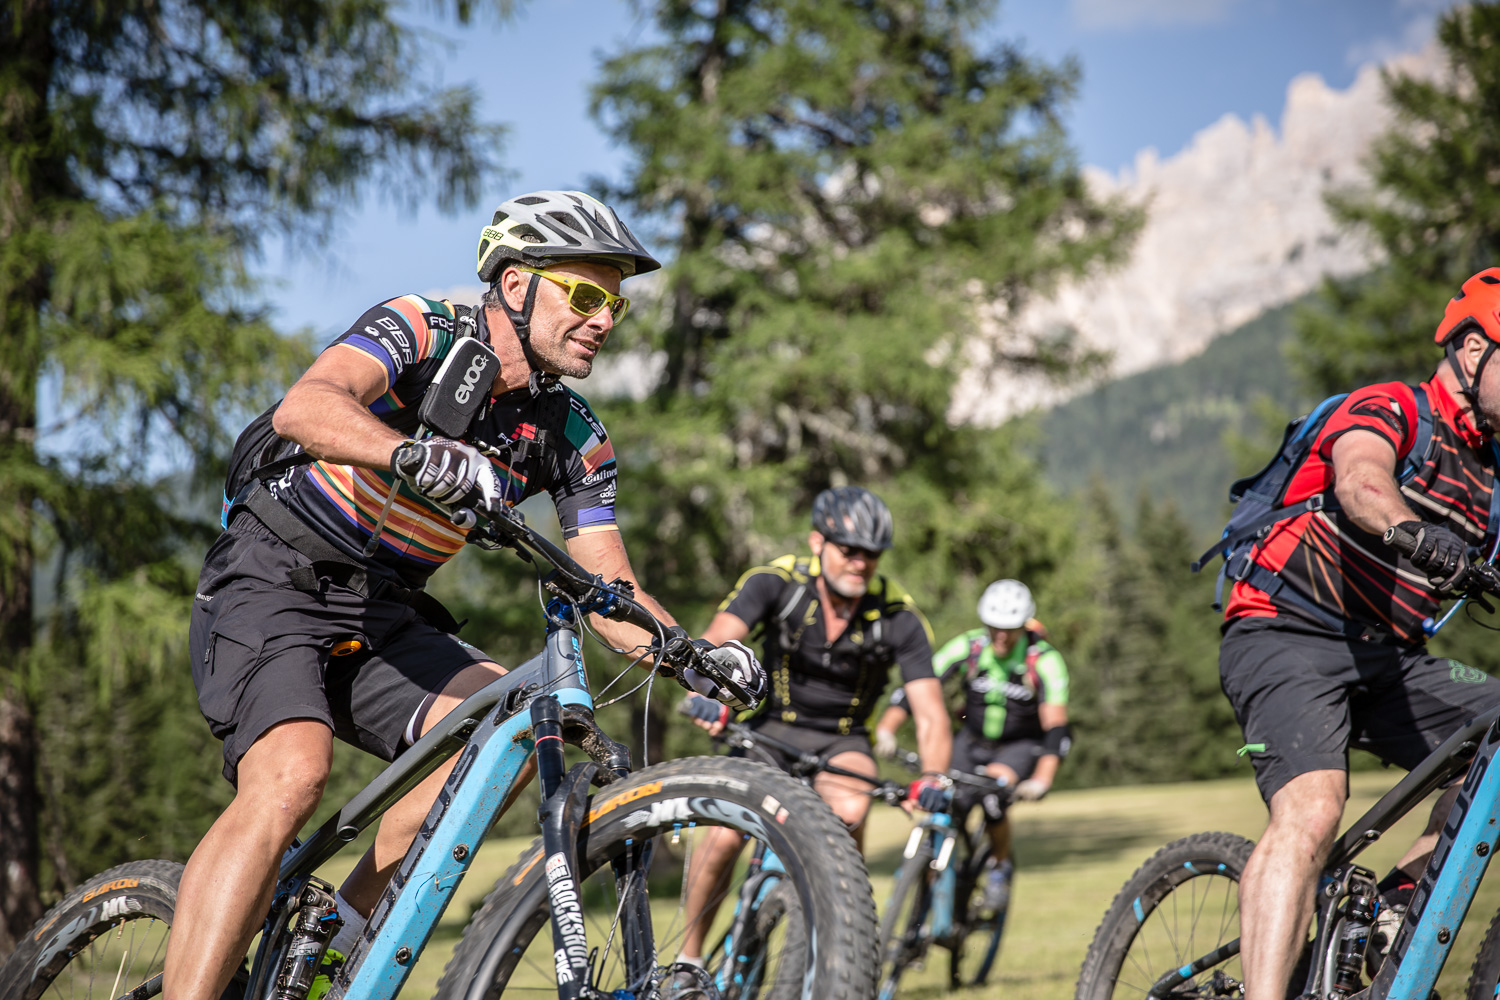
1311,805
283,774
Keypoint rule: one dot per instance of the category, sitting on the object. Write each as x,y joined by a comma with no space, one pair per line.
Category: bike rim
1186,915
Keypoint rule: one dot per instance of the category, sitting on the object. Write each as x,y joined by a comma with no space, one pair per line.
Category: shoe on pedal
1394,901
996,894
685,981
332,965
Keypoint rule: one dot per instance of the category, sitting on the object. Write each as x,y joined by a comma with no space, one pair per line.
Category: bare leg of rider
1277,886
708,877
226,888
1000,831
227,885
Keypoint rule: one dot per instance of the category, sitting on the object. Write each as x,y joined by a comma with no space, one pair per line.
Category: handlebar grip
407,458
1400,539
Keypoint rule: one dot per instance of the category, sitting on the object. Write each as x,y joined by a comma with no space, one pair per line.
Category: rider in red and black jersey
1323,643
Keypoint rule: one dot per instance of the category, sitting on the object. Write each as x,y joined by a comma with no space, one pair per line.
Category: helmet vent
530,199
500,217
1489,279
563,218
527,233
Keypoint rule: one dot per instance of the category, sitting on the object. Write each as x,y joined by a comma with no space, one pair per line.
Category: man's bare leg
849,798
226,888
399,825
709,868
1277,887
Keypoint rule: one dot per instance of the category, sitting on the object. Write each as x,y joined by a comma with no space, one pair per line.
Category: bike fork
564,806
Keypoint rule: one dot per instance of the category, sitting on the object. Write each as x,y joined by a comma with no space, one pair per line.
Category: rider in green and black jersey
1010,687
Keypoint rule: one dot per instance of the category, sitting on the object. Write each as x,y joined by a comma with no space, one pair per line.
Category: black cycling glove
1439,553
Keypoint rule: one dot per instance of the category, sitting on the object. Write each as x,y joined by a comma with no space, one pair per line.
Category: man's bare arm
327,410
603,552
934,731
1364,470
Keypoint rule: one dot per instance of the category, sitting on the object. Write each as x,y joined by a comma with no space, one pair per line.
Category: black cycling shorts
974,754
825,745
1309,695
261,651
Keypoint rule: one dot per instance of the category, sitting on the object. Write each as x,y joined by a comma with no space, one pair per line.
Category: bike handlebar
1483,577
708,710
502,526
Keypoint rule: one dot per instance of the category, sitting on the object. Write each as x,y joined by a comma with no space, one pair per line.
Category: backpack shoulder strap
1424,440
794,594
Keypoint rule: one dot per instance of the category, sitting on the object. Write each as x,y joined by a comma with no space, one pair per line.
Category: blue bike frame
493,737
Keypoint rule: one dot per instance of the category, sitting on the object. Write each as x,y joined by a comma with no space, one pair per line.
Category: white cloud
1104,15
1413,36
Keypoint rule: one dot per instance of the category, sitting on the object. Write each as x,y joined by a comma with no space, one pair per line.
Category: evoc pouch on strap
450,403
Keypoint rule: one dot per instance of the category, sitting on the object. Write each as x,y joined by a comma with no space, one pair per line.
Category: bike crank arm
1163,987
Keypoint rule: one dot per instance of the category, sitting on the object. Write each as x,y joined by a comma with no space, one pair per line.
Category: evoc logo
471,379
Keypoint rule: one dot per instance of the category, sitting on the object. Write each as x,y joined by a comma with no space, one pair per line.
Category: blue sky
1154,73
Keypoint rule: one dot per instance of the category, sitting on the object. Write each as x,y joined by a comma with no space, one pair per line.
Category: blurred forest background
840,189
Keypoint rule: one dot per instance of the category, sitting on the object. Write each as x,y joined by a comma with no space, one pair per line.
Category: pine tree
848,193
1433,213
146,150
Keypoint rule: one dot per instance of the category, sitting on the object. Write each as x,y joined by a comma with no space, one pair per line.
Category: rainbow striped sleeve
401,333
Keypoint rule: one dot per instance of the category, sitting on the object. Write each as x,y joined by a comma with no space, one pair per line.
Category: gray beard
864,588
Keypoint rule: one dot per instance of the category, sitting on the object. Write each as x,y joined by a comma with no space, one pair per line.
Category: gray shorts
1309,695
262,652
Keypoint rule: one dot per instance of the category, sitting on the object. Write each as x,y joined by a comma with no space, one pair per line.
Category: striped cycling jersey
551,442
1348,572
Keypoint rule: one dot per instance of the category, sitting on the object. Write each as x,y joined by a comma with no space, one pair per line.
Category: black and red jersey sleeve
1389,410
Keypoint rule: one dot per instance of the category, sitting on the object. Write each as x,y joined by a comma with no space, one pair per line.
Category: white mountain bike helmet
550,227
1006,604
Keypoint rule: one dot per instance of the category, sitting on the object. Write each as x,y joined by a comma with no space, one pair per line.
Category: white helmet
1006,604
547,227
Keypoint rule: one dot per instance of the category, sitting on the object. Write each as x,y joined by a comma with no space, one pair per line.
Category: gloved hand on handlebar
885,743
737,663
930,794
1439,553
1032,790
447,472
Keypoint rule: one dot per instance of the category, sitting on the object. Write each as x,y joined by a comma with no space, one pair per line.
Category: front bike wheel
826,949
976,941
1484,977
1179,907
105,937
903,940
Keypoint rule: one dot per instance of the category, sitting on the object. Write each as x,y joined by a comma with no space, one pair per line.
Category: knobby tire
507,945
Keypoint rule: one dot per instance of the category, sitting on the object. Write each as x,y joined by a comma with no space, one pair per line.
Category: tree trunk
27,179
20,897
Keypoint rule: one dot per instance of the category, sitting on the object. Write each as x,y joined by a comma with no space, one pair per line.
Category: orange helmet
1477,304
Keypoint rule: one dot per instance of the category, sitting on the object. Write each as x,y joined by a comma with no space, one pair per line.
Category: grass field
1074,851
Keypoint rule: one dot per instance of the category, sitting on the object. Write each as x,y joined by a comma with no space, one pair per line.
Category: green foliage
1434,213
146,150
1181,433
848,192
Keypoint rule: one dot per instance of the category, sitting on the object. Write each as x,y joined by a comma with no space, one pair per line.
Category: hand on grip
728,673
1435,550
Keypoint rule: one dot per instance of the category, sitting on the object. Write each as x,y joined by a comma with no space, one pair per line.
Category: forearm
331,424
891,719
1046,769
934,742
1371,498
628,637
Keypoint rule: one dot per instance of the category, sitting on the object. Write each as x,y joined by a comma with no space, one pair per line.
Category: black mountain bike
939,895
936,900
589,912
